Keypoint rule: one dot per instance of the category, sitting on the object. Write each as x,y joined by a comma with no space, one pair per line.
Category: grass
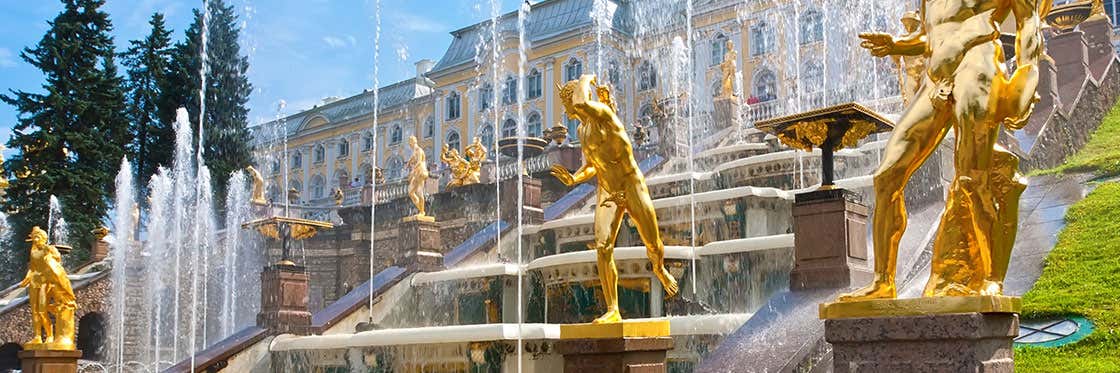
1082,275
1101,155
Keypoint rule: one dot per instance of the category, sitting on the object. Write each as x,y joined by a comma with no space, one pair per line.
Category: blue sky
300,51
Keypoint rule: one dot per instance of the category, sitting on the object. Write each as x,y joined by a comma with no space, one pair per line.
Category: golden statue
417,176
50,296
968,88
621,189
338,196
464,171
258,186
911,69
728,69
476,153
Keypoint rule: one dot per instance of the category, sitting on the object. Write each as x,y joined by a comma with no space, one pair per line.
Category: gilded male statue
49,295
417,176
728,69
258,186
608,155
966,87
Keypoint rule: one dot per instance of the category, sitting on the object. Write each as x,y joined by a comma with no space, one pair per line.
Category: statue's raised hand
880,44
563,174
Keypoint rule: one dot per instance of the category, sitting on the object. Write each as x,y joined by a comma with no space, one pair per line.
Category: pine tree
226,137
148,62
71,137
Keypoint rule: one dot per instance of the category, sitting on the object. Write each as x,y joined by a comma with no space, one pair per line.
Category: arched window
573,69
812,76
396,135
342,177
317,187
765,85
509,90
395,168
647,76
452,139
91,338
509,128
343,148
429,127
367,142
533,128
276,166
485,97
486,133
297,159
454,105
762,38
812,27
533,84
320,154
614,76
719,48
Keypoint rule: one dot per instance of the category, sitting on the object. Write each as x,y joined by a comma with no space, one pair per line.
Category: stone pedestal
961,342
726,113
531,212
422,246
49,361
830,241
629,346
284,300
1070,53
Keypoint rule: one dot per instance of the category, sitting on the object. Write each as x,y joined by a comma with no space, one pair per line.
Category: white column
438,114
332,154
306,159
355,155
548,84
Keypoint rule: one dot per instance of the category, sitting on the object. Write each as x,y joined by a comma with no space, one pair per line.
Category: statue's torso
607,148
956,29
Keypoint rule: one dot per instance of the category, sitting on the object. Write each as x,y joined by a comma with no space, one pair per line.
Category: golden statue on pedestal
464,170
728,69
966,87
608,155
50,296
258,186
417,177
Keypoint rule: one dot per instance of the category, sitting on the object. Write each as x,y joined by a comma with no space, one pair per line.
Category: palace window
509,90
509,128
647,76
396,135
534,127
454,105
613,75
395,168
719,48
429,127
485,97
320,154
317,187
296,186
533,84
765,85
367,142
343,148
573,69
452,140
487,135
275,166
812,77
812,27
297,159
762,38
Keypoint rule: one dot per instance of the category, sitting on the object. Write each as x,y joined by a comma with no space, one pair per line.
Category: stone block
1070,53
615,354
830,241
284,300
421,245
49,361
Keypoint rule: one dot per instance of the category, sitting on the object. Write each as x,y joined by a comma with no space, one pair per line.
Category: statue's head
38,236
566,92
730,45
911,21
477,140
412,140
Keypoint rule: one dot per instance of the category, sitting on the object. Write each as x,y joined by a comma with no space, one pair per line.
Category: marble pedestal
420,238
284,290
49,361
629,346
830,241
911,337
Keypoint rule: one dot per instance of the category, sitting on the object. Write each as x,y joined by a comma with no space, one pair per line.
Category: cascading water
57,229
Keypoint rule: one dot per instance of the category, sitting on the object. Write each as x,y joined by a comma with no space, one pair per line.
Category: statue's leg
608,218
914,138
642,213
1008,186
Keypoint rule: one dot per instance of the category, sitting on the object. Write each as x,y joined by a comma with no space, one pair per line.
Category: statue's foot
34,341
949,289
880,289
992,288
668,283
612,316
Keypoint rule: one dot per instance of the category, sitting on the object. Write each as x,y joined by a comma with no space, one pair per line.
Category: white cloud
7,58
414,23
339,42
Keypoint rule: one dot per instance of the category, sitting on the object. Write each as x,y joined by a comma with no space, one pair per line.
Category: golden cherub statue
417,176
728,69
476,153
460,167
258,186
50,296
621,187
966,87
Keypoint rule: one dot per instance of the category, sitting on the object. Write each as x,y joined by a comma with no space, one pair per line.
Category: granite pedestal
49,361
421,240
629,346
284,290
830,241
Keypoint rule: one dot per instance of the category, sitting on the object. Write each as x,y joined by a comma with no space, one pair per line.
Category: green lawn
1101,156
1082,274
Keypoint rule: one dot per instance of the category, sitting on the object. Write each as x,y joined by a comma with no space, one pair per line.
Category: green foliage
153,140
1101,155
1082,276
71,136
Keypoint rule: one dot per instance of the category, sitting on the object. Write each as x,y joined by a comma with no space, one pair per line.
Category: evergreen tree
226,137
71,137
148,62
